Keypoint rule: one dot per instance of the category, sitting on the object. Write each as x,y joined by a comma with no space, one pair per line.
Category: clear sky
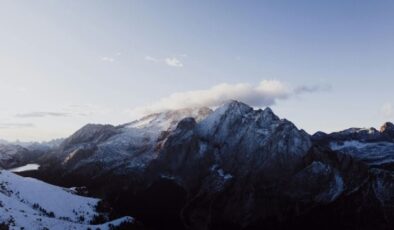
67,63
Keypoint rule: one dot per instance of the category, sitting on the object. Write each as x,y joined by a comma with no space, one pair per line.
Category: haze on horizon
322,65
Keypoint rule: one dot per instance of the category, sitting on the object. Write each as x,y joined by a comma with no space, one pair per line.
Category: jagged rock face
255,138
388,129
307,184
383,187
240,140
236,159
247,167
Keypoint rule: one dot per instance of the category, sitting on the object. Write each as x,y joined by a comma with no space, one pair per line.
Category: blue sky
67,63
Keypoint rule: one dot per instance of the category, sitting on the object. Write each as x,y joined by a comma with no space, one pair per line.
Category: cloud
174,62
42,114
15,125
170,61
73,110
266,93
311,88
107,59
387,109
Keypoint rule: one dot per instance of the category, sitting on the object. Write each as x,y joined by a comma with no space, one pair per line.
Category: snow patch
374,153
347,144
27,167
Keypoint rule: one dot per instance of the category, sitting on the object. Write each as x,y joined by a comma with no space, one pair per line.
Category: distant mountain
372,146
386,133
51,143
232,168
15,154
27,203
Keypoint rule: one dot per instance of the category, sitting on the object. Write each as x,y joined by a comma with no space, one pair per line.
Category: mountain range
234,167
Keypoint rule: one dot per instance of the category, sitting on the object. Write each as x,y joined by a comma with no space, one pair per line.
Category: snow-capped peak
128,141
236,106
168,119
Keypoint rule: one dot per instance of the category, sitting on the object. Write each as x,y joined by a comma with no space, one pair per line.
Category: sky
324,65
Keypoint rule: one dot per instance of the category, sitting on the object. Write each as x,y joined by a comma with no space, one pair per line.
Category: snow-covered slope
27,203
27,167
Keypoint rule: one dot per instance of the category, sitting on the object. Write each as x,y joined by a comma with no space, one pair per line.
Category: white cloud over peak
174,62
265,93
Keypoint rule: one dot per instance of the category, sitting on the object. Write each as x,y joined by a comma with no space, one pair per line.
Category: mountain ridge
234,166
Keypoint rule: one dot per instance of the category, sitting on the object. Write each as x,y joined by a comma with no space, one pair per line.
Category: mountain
385,134
11,155
95,149
15,154
232,168
27,203
375,148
